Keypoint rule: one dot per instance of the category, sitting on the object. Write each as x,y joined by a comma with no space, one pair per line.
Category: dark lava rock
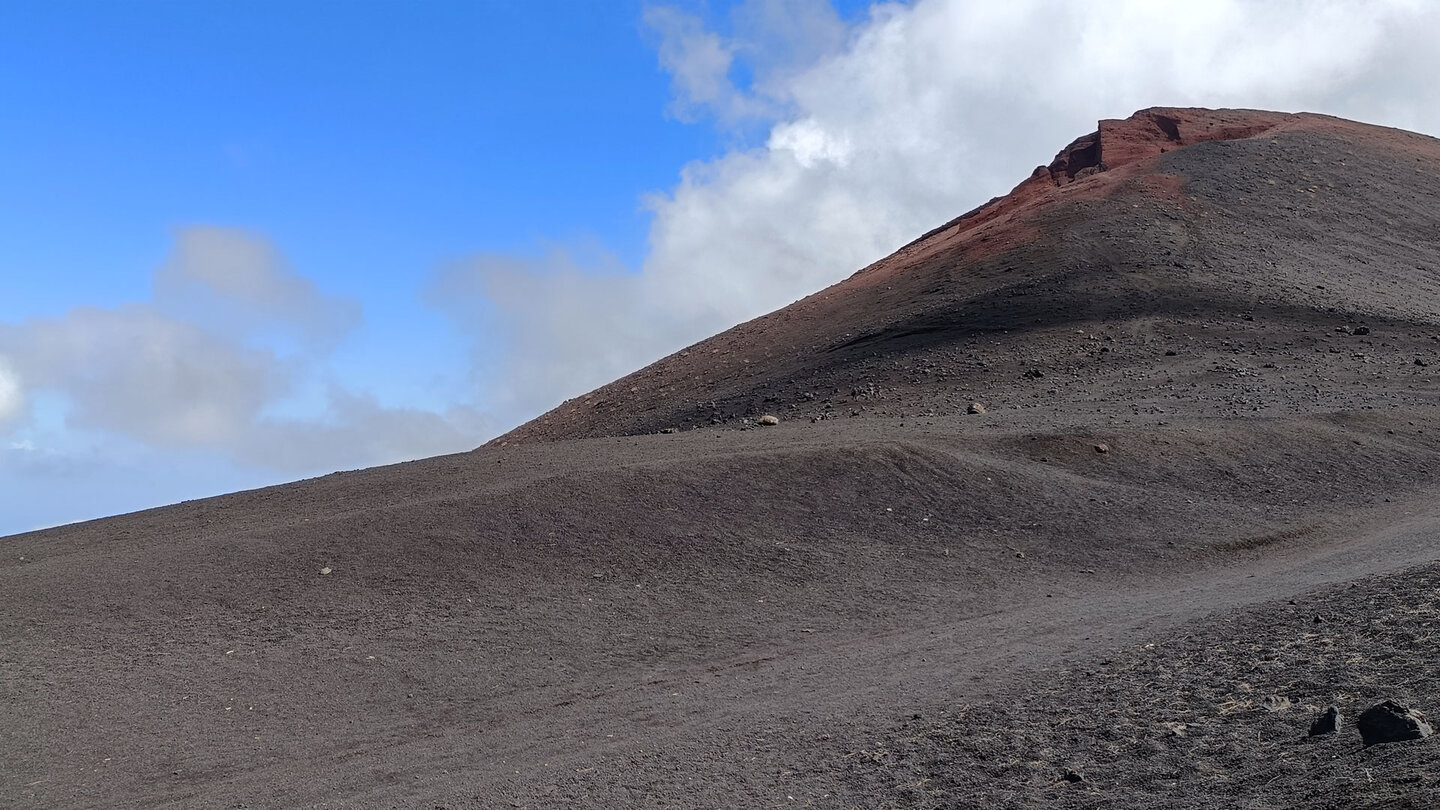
1327,723
1389,722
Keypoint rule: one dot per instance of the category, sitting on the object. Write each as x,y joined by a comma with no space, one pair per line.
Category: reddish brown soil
880,602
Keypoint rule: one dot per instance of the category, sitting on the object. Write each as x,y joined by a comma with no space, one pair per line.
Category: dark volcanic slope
1242,253
1125,568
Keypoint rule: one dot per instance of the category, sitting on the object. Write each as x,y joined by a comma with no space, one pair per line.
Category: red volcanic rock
1116,150
1119,143
1151,133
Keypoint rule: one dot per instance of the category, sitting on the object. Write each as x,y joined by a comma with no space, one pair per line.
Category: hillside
1230,234
1200,505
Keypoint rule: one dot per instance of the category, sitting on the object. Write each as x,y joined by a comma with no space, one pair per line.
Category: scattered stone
1102,448
975,407
669,430
1389,722
1327,723
767,419
1277,703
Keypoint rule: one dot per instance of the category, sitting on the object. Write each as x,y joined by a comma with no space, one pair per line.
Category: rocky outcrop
1150,133
1116,144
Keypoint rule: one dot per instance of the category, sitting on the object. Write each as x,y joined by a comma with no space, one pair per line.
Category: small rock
669,430
1074,776
1420,362
1361,330
975,407
1327,723
325,570
1277,703
1102,448
1171,353
767,419
1390,722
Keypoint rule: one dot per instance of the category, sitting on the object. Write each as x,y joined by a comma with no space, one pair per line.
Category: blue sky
242,243
370,141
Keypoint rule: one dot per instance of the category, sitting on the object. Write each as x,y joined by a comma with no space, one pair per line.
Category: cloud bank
854,139
230,340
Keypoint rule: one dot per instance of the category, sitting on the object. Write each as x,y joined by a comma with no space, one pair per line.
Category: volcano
1096,496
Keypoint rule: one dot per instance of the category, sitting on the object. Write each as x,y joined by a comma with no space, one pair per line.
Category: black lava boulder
1390,722
1327,723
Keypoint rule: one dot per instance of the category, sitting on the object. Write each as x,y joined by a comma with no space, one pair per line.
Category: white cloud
12,395
914,115
239,282
595,313
809,144
771,40
699,63
357,431
196,368
137,372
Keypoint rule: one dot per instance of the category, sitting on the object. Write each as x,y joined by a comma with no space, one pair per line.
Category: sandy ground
882,601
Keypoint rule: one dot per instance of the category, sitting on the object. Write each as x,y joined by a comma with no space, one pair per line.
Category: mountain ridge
966,263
